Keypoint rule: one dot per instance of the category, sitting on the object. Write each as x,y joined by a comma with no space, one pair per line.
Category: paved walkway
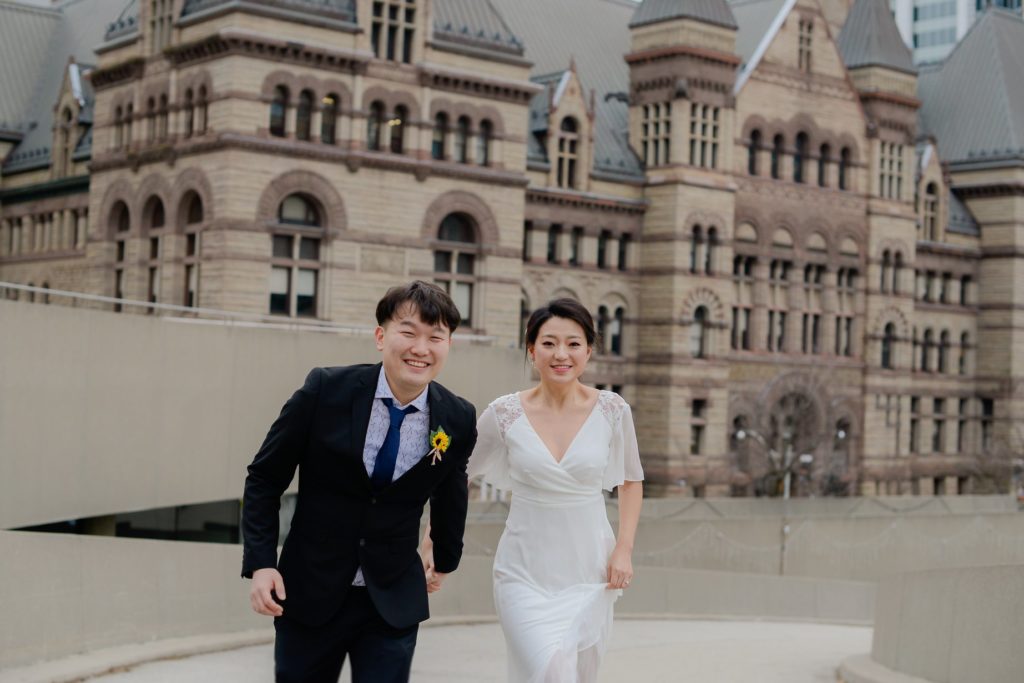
641,652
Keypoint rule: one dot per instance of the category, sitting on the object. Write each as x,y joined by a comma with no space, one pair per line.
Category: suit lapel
362,403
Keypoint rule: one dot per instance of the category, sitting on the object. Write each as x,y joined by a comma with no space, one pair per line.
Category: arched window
696,240
190,114
298,209
483,143
462,140
778,148
897,272
304,115
883,284
192,211
800,158
752,151
150,120
455,262
67,142
698,333
617,325
397,127
930,218
568,141
279,111
926,350
329,119
709,255
824,159
964,345
439,139
888,339
118,128
602,328
153,216
374,124
162,127
295,258
202,110
943,351
844,168
120,218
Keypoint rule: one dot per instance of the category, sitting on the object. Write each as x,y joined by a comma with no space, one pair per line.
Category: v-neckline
558,461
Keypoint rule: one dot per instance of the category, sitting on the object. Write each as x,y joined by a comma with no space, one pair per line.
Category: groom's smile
413,352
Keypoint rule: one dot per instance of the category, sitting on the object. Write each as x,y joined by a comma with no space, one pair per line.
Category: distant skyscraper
932,28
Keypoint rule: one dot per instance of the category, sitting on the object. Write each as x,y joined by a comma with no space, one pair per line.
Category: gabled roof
342,10
870,38
25,34
759,23
960,218
710,11
474,23
973,102
78,28
552,35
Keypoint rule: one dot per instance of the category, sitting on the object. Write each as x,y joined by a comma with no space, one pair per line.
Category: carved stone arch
152,185
782,237
813,386
564,292
194,80
390,99
494,116
847,140
891,314
612,297
190,179
755,122
333,86
705,219
119,190
276,78
460,201
155,90
440,105
815,243
894,246
310,184
803,123
702,296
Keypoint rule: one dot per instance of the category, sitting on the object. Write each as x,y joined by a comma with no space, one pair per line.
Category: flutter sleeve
490,456
624,458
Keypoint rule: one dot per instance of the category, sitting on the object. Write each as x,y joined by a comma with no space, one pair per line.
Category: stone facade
779,288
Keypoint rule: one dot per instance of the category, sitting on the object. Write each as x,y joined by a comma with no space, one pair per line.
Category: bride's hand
620,567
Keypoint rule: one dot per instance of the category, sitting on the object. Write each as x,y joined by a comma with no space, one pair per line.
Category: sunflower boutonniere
439,443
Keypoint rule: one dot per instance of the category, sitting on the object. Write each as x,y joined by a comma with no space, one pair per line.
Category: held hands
260,596
620,567
434,578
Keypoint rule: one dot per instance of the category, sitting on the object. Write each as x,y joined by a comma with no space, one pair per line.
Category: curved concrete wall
64,595
949,626
103,413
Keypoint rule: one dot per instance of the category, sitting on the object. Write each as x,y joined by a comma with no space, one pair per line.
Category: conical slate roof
973,103
870,38
710,11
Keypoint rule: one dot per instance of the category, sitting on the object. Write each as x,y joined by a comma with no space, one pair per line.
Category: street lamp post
783,463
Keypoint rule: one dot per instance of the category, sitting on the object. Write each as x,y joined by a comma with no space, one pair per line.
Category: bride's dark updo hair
570,309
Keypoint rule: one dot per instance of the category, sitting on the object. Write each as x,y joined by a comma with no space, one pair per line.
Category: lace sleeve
624,453
490,456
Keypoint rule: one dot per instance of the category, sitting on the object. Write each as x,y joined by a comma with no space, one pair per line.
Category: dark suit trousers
377,652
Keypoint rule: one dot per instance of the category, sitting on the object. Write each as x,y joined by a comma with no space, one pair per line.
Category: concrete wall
950,626
103,413
64,595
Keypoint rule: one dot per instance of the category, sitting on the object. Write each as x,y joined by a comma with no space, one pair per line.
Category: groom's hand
434,581
266,583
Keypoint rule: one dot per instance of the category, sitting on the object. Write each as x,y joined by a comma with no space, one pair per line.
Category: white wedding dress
551,565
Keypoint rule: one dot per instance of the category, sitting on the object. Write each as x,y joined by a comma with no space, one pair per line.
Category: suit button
362,541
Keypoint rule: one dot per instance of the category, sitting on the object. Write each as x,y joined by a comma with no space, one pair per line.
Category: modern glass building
932,28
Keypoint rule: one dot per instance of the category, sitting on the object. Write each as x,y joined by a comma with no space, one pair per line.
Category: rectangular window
554,237
602,249
577,247
939,431
987,415
624,251
280,292
696,439
804,57
704,125
698,408
305,293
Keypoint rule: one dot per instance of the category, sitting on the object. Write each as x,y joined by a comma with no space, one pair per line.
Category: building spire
870,38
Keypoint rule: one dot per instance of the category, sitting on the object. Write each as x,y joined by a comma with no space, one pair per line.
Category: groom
372,444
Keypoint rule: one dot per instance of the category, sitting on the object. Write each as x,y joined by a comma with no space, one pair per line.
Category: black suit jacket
340,522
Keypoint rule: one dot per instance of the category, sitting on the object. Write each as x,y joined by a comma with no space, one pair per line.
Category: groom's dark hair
431,302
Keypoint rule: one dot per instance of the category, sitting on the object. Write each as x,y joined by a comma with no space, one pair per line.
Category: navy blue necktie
384,465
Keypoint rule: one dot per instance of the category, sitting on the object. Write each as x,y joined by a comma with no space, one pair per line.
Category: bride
558,568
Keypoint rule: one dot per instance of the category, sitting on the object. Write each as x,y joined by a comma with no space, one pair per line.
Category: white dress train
550,567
